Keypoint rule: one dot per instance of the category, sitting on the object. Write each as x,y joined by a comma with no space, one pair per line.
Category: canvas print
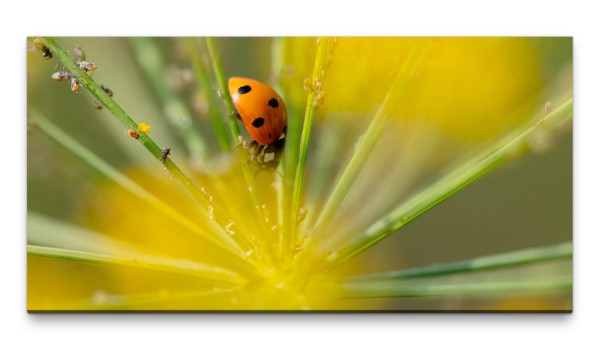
299,174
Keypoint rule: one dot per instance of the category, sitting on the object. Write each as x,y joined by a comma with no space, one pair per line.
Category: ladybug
260,108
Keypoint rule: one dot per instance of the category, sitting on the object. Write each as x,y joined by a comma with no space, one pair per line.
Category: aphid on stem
87,66
133,134
319,100
107,90
308,85
74,84
41,47
78,53
62,76
97,104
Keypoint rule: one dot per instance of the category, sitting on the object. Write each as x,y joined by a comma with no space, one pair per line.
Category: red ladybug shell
262,110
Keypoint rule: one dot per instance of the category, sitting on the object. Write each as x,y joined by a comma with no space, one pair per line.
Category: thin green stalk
368,142
448,185
402,289
218,123
328,148
149,59
277,63
218,237
224,91
490,262
290,237
143,138
47,231
235,133
211,274
135,301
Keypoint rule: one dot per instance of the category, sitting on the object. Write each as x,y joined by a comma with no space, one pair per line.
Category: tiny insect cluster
86,66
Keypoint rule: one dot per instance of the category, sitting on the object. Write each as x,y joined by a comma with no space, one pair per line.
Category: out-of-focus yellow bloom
468,87
125,218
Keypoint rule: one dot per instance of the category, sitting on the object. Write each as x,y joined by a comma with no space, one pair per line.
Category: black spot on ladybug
244,89
258,122
273,103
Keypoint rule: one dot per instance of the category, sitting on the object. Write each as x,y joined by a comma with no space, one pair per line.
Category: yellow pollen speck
145,128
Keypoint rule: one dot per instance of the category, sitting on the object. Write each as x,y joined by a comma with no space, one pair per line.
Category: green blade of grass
503,260
149,59
329,147
290,237
144,139
448,185
193,47
396,289
291,85
50,129
144,301
217,237
223,90
210,274
277,63
235,133
49,232
369,140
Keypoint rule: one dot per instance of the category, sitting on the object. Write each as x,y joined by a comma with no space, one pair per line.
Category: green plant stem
368,142
143,138
210,274
403,289
218,237
235,133
218,123
290,238
490,262
223,90
277,65
47,231
328,148
448,185
132,302
149,59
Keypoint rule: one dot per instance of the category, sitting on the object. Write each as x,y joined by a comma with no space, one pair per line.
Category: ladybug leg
237,115
253,148
262,152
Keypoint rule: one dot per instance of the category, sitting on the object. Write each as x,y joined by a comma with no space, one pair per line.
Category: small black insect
164,154
107,90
